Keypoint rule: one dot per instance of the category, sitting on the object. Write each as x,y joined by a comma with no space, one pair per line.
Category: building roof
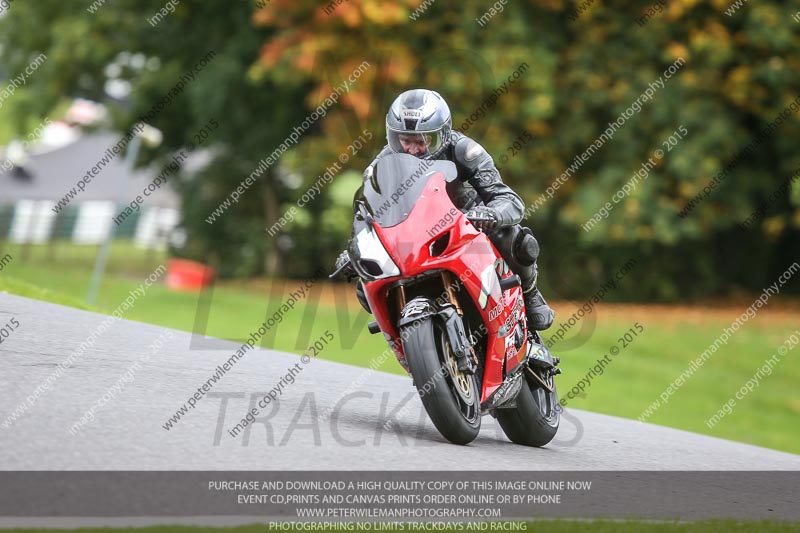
51,175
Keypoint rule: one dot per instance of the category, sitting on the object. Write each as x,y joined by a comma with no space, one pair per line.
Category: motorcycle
449,306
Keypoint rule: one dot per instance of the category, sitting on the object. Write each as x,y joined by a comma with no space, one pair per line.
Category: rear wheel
534,421
450,397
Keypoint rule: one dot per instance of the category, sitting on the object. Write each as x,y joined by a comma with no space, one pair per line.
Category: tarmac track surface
379,423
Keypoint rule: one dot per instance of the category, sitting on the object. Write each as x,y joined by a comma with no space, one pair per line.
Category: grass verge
670,339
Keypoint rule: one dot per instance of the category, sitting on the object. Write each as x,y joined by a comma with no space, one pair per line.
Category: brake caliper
458,340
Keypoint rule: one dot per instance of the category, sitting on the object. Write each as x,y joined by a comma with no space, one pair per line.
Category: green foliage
277,63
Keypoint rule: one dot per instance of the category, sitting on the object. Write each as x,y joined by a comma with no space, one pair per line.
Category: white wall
33,221
155,226
94,222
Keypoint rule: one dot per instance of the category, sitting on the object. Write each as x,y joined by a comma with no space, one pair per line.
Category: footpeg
540,357
373,327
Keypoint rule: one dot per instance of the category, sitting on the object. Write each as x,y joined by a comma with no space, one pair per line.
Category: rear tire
452,401
534,421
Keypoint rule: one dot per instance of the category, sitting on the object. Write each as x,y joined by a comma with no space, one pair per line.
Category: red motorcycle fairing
416,245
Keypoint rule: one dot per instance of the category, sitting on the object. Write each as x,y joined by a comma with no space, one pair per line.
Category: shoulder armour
469,153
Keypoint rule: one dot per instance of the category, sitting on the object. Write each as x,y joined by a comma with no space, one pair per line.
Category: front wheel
534,421
450,397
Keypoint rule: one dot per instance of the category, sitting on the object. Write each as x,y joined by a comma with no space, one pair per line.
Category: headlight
372,261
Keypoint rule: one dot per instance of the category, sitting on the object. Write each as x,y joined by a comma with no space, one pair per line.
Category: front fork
451,314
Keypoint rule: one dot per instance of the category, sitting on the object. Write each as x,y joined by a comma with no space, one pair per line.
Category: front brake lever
350,275
338,271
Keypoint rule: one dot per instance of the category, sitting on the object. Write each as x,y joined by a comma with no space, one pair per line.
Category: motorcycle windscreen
398,182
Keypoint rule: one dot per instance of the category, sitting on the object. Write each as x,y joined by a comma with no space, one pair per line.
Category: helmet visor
420,144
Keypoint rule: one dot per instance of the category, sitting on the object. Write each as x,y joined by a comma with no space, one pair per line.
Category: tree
538,83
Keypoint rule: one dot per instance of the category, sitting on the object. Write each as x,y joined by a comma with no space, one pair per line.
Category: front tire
451,398
534,421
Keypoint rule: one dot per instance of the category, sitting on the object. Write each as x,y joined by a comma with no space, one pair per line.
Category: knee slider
527,248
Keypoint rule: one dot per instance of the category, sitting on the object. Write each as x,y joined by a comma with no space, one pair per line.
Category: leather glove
344,267
483,217
342,260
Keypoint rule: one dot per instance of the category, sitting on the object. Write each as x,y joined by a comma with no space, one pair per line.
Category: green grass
639,374
29,290
233,312
634,378
551,526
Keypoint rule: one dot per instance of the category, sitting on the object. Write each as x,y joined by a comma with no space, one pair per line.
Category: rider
419,123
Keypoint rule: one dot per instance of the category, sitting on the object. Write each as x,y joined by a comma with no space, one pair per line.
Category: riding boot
540,315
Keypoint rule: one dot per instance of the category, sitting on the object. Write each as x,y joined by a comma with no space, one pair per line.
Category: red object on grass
183,274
